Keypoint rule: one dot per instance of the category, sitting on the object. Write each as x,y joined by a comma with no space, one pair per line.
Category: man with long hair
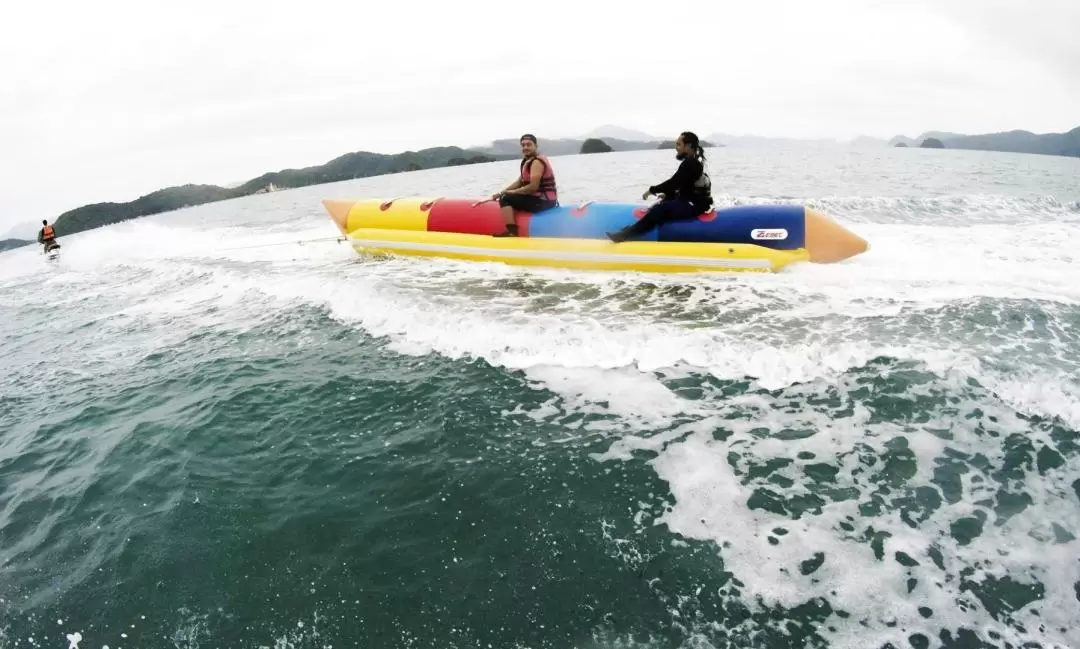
685,195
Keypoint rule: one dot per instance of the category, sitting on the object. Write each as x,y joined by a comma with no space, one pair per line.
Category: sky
110,100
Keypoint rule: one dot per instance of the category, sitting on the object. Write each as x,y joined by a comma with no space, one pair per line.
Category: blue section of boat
592,221
781,227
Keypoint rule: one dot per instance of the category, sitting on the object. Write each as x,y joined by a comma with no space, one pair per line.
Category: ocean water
213,435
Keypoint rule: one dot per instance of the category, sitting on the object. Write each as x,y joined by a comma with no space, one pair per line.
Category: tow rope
288,243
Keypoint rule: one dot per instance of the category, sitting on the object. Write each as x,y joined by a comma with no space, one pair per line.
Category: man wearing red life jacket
47,236
534,189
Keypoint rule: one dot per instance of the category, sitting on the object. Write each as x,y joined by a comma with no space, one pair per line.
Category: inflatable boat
750,238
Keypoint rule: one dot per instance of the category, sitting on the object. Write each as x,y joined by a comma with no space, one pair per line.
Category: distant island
351,165
511,148
1062,144
670,144
917,142
8,244
595,145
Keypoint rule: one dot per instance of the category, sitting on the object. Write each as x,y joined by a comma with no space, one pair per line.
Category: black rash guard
681,185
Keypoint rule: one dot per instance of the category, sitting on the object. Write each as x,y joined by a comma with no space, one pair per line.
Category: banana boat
745,238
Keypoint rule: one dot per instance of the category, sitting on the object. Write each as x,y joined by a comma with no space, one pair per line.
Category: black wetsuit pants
662,212
526,203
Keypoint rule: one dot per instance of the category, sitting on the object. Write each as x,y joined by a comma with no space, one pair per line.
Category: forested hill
360,164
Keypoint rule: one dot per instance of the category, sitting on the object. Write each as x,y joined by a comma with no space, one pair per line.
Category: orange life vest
547,189
48,233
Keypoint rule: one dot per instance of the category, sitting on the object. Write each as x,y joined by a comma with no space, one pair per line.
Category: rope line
288,243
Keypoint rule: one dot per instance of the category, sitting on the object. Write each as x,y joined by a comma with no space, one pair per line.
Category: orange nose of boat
339,212
828,242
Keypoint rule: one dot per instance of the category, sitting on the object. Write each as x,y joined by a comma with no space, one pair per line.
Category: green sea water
214,436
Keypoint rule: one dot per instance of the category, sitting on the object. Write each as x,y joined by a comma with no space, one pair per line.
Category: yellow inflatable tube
584,254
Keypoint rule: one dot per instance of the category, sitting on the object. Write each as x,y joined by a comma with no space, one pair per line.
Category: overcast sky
108,100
